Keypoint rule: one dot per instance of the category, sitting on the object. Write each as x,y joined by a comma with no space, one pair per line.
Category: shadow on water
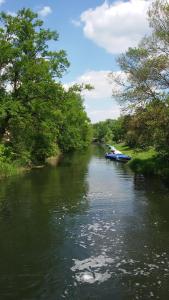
157,194
86,229
34,212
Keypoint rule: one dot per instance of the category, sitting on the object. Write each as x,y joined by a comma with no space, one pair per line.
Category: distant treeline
38,116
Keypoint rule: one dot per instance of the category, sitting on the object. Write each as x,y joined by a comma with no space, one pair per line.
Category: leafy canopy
34,107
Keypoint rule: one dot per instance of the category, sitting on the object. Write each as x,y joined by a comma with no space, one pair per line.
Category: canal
86,229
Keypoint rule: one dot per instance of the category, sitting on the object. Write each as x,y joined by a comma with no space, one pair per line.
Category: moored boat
118,157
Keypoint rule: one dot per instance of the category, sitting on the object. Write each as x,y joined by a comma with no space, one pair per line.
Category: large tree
33,108
146,67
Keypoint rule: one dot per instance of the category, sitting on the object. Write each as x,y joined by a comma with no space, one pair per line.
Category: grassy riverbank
8,169
145,161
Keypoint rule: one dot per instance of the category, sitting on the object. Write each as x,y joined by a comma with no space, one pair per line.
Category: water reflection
88,229
35,211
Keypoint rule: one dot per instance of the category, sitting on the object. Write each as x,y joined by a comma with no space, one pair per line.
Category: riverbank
145,162
8,169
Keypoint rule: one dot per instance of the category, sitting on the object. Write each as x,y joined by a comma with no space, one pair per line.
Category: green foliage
109,131
36,113
144,86
75,129
146,66
7,168
145,162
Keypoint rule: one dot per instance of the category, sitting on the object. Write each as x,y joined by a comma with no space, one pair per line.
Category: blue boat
118,157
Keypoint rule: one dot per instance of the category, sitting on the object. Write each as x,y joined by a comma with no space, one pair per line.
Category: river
86,229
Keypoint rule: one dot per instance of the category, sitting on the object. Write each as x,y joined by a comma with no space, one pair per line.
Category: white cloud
45,11
117,26
103,114
101,82
98,102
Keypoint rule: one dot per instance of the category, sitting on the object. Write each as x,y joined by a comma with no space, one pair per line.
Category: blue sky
93,33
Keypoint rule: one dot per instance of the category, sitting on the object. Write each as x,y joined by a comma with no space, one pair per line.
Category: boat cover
117,156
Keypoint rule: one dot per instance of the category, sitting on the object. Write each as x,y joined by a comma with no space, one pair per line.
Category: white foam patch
91,262
92,269
92,278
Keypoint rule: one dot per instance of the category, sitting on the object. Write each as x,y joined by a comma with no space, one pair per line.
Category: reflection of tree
157,196
33,213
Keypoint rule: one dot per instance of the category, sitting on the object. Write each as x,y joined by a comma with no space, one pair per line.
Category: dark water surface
87,229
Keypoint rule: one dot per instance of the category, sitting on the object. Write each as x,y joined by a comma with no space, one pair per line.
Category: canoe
118,157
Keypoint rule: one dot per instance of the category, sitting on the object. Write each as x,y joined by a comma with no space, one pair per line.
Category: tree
144,83
146,67
109,131
34,107
75,128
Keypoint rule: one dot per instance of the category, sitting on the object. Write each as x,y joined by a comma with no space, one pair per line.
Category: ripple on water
111,260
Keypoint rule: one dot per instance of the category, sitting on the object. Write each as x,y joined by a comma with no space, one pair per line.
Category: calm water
87,229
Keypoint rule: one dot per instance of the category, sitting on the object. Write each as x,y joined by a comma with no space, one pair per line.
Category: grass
145,162
136,153
9,169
